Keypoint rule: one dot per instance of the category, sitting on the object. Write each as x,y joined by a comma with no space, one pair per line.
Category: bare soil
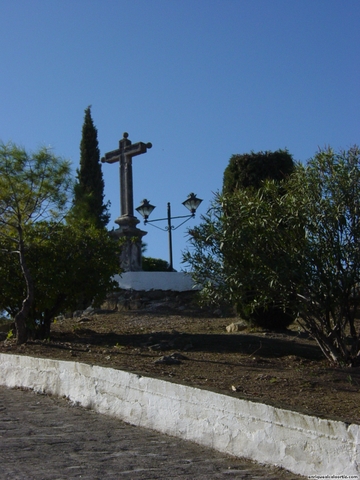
284,369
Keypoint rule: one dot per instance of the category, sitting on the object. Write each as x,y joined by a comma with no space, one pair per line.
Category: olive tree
205,255
299,250
328,193
33,187
73,267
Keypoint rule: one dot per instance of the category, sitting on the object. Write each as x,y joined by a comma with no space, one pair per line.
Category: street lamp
145,209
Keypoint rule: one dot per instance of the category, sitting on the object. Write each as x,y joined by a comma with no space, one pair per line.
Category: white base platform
145,281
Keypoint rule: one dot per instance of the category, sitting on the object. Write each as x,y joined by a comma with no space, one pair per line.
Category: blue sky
199,79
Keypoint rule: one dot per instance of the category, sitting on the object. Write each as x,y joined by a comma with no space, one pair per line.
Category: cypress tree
88,202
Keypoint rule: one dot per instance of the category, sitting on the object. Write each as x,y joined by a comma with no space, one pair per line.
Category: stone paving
43,437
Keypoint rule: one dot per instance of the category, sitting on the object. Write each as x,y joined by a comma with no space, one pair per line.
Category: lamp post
145,209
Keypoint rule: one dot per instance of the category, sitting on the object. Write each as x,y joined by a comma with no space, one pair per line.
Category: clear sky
199,79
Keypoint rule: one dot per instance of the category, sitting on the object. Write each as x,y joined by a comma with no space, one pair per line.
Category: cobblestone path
43,438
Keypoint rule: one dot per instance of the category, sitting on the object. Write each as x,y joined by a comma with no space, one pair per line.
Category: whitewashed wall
303,444
144,281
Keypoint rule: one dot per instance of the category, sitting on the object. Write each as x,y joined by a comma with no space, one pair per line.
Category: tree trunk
21,316
20,325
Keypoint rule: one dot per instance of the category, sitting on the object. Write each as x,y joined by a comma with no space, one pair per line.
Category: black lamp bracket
166,229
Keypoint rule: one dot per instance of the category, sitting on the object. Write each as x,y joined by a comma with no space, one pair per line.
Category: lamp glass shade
192,202
145,208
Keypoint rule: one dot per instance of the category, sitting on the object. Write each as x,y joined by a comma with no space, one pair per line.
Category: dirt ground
284,369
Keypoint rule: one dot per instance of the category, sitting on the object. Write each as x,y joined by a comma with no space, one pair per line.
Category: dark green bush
251,169
150,264
269,318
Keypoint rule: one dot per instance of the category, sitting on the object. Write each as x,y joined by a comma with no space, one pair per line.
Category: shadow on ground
265,346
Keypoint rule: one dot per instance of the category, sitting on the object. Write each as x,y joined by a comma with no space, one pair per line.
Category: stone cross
124,155
130,258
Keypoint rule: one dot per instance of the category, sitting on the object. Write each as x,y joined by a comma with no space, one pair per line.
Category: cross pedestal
130,259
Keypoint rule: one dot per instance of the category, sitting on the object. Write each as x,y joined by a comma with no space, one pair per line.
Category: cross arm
137,149
111,157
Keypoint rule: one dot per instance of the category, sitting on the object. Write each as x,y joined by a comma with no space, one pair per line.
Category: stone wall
156,301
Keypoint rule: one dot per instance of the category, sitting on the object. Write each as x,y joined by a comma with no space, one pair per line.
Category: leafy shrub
269,318
150,264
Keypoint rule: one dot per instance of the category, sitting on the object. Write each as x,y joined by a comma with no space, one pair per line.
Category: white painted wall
300,443
140,281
